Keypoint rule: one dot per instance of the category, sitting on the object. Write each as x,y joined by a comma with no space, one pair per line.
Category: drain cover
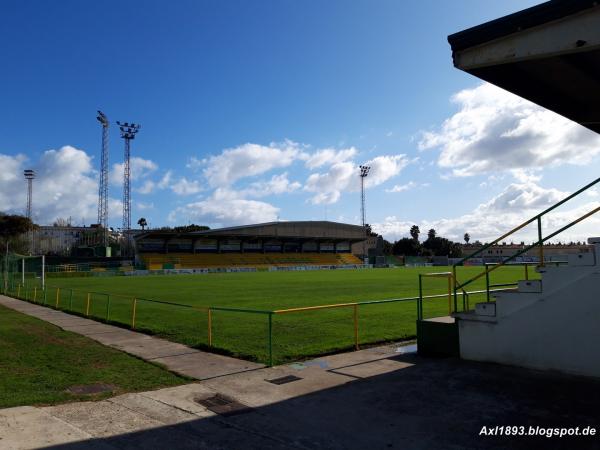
223,405
91,389
284,380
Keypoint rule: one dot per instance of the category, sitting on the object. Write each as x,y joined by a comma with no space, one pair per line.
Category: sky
260,111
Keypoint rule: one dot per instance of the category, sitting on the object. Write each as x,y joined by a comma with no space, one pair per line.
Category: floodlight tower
128,132
29,176
103,186
364,171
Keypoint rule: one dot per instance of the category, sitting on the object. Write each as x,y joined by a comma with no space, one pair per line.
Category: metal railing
101,306
539,243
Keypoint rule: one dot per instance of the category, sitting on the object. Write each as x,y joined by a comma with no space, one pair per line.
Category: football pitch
245,334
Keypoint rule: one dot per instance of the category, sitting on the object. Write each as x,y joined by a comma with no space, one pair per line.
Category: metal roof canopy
548,54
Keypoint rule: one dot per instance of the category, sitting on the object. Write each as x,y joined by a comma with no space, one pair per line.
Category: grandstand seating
156,261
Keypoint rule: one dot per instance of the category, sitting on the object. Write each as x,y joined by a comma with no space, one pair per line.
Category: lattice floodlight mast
29,176
103,185
128,132
364,171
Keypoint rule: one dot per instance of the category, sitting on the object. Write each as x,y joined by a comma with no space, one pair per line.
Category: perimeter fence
267,336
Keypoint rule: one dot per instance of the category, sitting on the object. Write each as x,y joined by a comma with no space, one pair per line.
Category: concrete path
176,357
378,398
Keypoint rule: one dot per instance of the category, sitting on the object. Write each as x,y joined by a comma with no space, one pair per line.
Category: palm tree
431,234
467,237
414,232
142,223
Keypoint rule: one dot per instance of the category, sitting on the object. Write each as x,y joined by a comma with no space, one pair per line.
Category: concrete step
530,286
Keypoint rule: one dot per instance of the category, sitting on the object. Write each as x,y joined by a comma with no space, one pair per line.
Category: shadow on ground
427,403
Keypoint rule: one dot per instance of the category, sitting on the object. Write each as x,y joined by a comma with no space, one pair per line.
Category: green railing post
420,301
540,240
107,307
71,300
270,339
487,283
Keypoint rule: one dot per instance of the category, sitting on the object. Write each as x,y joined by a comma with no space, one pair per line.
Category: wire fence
267,336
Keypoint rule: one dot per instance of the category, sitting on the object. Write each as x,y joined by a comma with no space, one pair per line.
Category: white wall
560,331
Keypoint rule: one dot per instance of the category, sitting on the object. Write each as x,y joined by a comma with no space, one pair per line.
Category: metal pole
44,272
450,295
23,271
540,241
487,283
364,171
133,308
270,339
209,327
356,327
420,301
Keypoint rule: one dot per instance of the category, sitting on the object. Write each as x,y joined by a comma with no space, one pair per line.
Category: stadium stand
272,244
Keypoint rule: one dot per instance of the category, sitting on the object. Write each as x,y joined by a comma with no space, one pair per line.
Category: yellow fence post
209,327
356,327
87,308
133,308
34,293
57,296
526,272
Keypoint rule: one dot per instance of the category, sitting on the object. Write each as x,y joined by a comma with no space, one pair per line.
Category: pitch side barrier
141,272
268,336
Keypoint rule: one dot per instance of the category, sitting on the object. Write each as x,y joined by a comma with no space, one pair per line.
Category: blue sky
256,111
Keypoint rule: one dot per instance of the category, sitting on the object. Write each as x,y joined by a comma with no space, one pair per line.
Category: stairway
552,323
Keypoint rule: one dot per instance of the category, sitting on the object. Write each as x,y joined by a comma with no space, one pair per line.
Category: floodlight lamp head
364,171
29,174
102,118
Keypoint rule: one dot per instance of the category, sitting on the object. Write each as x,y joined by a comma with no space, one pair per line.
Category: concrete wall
560,331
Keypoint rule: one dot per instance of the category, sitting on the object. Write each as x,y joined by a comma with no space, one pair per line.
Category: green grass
294,335
39,361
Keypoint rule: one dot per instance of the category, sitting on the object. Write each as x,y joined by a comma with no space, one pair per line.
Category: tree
12,226
406,247
369,231
431,234
467,238
62,222
142,223
414,232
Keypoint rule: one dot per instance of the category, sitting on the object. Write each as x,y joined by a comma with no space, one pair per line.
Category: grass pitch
296,335
39,361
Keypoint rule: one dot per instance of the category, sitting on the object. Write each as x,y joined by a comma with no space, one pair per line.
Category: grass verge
39,362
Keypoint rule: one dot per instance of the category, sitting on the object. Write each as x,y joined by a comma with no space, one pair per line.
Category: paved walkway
176,357
377,398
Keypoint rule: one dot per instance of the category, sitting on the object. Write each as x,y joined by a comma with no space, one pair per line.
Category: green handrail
540,242
524,224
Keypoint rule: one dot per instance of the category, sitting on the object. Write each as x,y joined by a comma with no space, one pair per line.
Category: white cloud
138,167
186,187
147,188
495,130
144,206
65,185
278,184
344,177
329,185
329,156
402,187
248,160
515,204
165,181
224,208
